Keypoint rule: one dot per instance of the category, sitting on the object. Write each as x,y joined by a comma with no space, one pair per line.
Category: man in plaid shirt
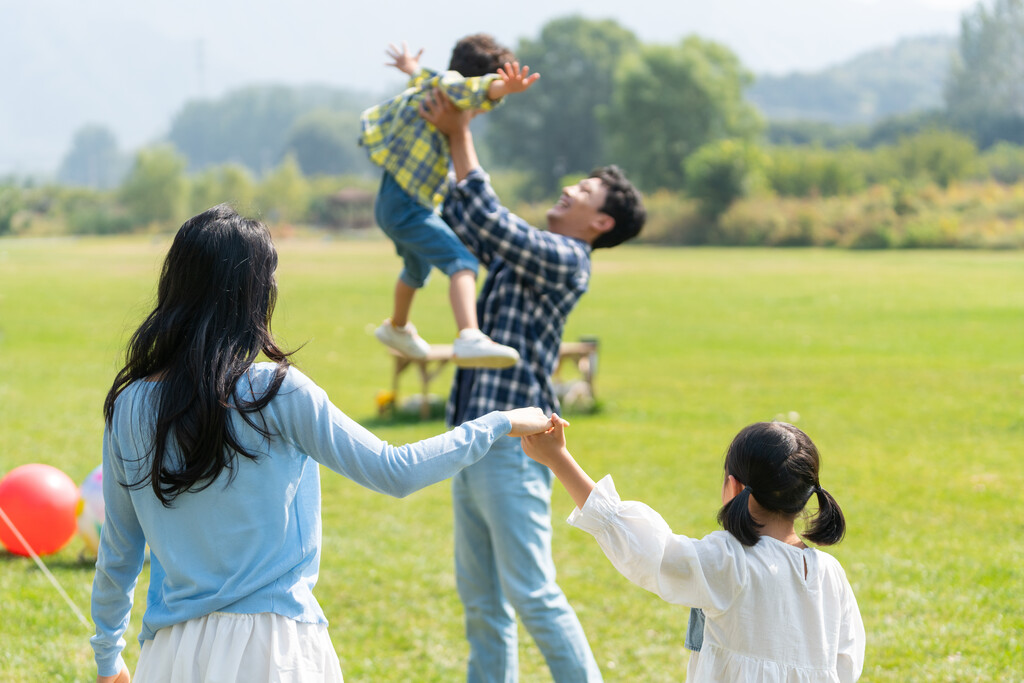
503,503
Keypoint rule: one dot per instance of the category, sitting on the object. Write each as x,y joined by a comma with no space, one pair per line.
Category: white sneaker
474,349
404,340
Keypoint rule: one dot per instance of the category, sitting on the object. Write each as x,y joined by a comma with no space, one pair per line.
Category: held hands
526,421
516,79
548,447
403,60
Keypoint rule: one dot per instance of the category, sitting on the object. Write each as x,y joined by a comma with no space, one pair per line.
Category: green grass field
905,367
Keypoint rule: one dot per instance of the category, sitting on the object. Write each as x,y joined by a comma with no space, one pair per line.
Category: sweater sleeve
704,573
306,417
118,564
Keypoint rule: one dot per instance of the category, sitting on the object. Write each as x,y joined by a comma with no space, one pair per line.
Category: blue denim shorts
422,239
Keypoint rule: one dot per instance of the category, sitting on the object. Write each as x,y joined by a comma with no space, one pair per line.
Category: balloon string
51,577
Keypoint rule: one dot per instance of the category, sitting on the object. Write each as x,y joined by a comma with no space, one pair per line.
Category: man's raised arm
438,110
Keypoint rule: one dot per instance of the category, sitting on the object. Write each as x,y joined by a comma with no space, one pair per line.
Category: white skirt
239,648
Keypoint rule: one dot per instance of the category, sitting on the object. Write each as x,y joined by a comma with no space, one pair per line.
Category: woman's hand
526,421
122,677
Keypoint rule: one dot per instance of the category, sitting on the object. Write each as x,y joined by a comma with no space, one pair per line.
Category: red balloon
40,501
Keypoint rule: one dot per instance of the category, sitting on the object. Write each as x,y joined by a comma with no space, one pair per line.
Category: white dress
774,612
226,647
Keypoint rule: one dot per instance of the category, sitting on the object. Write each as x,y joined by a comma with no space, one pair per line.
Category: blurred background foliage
917,145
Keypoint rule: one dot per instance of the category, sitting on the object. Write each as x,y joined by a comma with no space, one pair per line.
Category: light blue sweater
249,543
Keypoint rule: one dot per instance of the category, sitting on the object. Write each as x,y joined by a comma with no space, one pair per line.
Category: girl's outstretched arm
549,449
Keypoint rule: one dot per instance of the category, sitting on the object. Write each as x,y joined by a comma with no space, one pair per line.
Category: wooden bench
581,355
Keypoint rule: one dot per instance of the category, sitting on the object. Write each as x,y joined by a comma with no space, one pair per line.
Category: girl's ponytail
829,526
736,519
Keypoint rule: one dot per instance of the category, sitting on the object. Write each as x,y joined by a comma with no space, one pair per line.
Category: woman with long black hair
211,458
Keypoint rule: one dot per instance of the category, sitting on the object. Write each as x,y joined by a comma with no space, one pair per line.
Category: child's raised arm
549,449
513,79
403,60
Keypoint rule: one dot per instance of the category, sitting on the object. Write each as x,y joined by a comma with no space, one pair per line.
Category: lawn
905,367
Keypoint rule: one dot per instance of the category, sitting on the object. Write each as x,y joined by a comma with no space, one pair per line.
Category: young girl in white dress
774,609
213,460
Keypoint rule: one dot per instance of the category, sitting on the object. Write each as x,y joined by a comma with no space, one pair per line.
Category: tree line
674,116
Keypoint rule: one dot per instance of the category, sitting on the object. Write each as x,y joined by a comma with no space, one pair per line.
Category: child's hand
516,79
548,447
527,421
403,60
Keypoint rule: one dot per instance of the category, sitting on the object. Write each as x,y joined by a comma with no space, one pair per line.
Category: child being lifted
415,158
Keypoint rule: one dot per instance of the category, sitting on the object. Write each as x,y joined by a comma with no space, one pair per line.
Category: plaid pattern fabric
534,279
409,148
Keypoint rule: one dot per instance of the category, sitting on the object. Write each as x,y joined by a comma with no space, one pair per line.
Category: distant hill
904,78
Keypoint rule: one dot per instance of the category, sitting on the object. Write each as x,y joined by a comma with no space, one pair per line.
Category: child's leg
403,303
472,348
395,212
462,294
425,241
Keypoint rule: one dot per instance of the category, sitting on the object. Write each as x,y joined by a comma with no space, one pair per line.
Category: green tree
92,212
155,189
721,172
1004,162
229,183
804,171
93,160
250,126
10,204
939,155
284,194
985,91
670,100
554,129
325,142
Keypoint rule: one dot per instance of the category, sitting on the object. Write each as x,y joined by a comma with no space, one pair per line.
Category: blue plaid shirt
534,279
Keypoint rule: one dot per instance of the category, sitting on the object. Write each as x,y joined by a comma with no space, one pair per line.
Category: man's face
578,210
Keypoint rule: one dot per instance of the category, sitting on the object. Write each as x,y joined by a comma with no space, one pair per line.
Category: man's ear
602,223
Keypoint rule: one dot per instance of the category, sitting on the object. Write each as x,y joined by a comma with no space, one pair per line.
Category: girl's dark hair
778,465
478,55
214,303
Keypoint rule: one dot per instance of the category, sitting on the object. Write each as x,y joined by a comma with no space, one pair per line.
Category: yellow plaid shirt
409,148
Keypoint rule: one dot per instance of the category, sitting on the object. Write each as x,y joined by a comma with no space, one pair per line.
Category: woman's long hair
778,465
212,318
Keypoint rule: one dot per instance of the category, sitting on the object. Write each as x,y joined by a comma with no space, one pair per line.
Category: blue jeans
503,566
422,239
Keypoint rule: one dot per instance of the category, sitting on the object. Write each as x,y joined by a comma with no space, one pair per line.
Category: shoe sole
404,352
485,362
